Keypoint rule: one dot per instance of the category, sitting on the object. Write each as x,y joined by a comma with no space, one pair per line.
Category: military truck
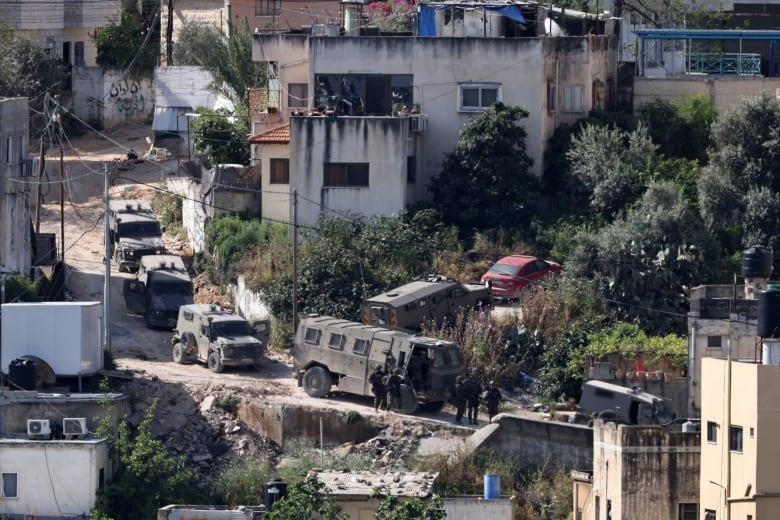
134,232
218,337
433,299
611,402
334,354
161,285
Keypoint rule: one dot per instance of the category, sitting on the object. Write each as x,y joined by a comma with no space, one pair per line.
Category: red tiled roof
278,135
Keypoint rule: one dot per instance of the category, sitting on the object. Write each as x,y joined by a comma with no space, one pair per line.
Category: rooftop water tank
769,313
757,262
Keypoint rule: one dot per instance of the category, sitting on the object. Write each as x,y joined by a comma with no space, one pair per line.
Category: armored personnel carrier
134,232
160,287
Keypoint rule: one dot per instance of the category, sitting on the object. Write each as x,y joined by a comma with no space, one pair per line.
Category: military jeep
160,287
217,337
134,232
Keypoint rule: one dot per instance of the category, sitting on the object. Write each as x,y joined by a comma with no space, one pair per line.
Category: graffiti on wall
127,97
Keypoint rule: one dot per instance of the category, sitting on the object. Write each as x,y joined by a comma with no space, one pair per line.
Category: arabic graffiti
127,97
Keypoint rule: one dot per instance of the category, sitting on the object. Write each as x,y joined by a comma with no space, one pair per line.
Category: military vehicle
218,337
134,232
160,287
334,354
611,402
434,299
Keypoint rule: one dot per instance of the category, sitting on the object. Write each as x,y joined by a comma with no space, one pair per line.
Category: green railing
724,64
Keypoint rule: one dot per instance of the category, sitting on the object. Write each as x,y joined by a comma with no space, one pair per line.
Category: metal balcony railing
724,64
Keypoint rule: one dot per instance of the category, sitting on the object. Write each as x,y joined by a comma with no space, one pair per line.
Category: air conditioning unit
74,427
38,429
418,123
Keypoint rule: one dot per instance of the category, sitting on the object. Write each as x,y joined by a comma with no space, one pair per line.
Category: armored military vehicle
434,299
160,287
134,233
217,337
334,354
622,404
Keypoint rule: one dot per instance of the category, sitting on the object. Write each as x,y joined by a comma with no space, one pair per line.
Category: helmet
377,368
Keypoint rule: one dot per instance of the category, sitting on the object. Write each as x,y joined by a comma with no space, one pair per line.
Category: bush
242,482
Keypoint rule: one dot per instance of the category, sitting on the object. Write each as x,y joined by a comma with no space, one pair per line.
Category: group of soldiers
466,395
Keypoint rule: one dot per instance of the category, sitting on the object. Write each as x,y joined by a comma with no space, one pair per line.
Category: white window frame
3,477
481,87
573,98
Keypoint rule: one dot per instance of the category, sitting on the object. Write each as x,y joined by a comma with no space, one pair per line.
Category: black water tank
757,262
21,374
276,490
769,313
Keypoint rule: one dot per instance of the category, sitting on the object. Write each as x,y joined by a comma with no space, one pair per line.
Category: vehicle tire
215,364
117,262
408,403
608,415
188,343
433,407
317,381
179,356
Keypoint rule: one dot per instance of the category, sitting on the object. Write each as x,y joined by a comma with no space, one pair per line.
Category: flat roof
707,34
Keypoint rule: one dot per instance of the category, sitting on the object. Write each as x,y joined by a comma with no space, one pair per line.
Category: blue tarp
427,18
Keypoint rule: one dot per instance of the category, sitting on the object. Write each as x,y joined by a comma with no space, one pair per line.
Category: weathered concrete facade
725,92
642,472
17,181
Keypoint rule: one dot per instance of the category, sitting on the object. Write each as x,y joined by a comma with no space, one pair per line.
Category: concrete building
639,473
17,180
369,155
740,418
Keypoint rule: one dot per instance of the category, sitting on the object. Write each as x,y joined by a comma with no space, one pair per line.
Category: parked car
510,275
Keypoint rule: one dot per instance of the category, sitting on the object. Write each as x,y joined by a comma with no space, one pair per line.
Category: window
280,171
475,97
78,54
712,431
346,174
552,98
752,432
714,341
101,478
411,169
336,342
709,514
574,98
9,485
268,7
9,149
312,336
609,509
688,511
298,95
735,439
360,346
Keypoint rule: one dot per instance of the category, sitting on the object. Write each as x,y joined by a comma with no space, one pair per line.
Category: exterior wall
184,87
126,99
523,67
249,304
193,512
194,216
724,92
87,97
317,140
552,444
457,508
15,191
55,479
293,14
644,471
276,203
212,12
737,483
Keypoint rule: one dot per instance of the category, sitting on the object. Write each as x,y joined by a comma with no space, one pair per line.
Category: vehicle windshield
504,269
139,229
664,412
447,358
175,288
232,328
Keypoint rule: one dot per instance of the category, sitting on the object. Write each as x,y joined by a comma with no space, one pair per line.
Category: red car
511,274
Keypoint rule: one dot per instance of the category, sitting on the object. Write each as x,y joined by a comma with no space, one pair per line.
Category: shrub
242,482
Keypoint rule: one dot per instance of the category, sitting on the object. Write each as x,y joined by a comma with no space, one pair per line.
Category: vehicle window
541,265
504,269
411,306
422,303
336,341
360,347
457,293
378,315
312,336
530,268
232,328
436,299
187,315
139,229
603,393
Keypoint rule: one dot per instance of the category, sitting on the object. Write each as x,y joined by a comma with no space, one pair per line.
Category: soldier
377,380
473,391
459,399
492,399
394,382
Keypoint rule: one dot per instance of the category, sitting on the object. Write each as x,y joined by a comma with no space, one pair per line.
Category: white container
66,335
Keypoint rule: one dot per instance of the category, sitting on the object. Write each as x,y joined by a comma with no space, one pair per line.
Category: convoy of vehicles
217,337
134,232
160,287
510,275
334,354
611,402
433,299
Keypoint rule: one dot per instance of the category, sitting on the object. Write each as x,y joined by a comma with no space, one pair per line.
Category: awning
427,16
170,119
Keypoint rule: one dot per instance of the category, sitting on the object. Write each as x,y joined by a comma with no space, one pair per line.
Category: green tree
221,136
147,477
131,41
486,181
242,482
681,128
392,507
307,499
228,59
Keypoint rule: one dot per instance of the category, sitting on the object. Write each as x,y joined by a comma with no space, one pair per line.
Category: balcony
724,64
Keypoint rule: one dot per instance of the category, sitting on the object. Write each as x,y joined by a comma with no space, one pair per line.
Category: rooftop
364,483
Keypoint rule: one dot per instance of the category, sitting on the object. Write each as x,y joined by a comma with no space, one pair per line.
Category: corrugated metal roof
363,483
278,135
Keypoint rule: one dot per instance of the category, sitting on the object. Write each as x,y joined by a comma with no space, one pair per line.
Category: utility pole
41,169
295,261
169,36
107,262
62,183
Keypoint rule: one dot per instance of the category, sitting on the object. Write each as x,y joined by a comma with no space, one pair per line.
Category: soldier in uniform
394,382
459,399
492,399
473,392
377,380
